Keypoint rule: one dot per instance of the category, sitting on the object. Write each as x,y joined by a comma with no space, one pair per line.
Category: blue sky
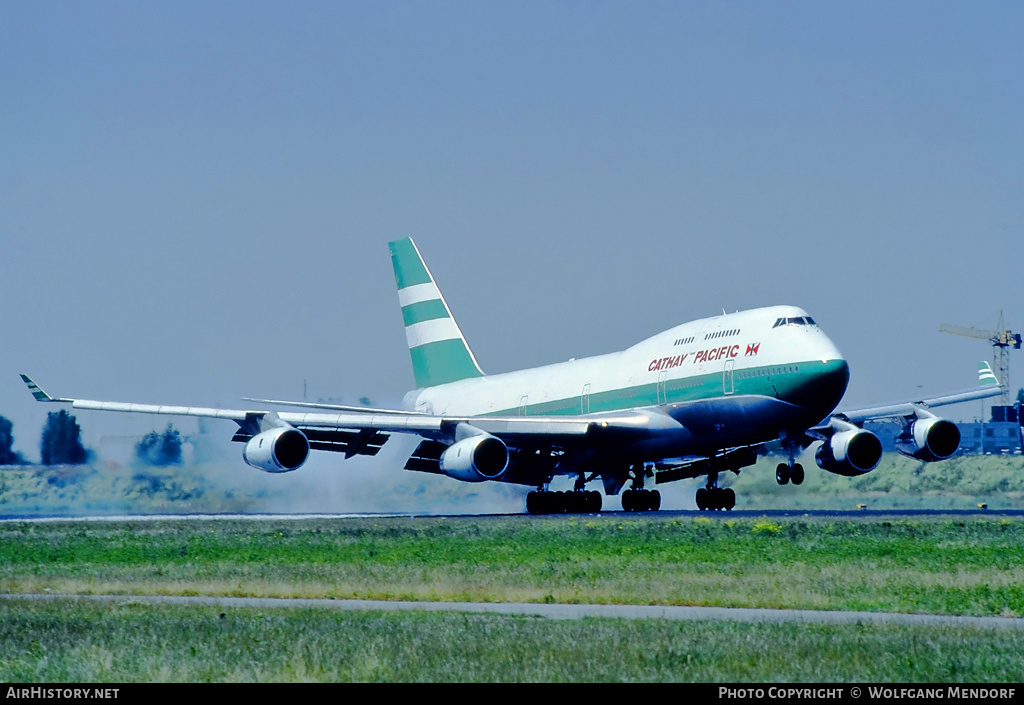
196,197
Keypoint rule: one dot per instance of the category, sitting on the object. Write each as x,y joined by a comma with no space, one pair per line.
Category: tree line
61,444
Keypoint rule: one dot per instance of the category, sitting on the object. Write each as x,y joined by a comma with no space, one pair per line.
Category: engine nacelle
281,449
850,453
475,459
929,439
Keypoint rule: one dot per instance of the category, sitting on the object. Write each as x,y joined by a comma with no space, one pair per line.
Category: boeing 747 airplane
700,399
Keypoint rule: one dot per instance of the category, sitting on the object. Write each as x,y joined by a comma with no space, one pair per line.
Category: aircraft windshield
795,321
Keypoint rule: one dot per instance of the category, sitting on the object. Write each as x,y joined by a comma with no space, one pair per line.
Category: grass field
968,566
78,642
962,482
941,565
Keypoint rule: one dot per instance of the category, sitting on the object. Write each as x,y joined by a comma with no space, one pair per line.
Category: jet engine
929,439
850,453
475,459
280,449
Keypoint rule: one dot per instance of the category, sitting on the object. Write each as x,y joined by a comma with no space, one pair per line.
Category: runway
556,611
664,513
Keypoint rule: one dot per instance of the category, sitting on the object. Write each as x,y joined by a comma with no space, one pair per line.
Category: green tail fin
438,348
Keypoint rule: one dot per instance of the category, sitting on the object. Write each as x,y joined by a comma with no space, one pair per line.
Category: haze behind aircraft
699,399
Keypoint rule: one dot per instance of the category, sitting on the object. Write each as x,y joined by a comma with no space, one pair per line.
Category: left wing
271,446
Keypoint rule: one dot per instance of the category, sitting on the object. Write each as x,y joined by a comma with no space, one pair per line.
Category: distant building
990,437
1001,434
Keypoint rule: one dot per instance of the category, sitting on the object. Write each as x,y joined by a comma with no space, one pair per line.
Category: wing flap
426,457
351,443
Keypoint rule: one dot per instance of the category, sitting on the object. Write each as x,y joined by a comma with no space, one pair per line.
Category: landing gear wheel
782,474
574,502
627,500
714,498
641,500
796,474
593,502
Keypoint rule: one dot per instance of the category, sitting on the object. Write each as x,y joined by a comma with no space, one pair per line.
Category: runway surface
557,611
671,513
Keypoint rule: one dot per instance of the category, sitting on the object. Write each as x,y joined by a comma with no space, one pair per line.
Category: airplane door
662,397
523,401
727,377
585,399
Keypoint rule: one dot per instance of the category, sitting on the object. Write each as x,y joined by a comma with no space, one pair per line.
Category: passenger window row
722,334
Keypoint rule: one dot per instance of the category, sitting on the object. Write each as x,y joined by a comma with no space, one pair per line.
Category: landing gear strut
714,497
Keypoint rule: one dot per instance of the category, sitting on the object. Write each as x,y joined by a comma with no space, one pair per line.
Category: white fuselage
742,353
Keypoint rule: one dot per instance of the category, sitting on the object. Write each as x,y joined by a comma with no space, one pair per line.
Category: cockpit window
795,321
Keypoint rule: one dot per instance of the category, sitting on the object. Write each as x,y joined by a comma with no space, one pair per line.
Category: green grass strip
76,642
936,565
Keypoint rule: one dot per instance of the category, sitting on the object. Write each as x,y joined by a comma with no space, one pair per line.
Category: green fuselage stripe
424,311
787,382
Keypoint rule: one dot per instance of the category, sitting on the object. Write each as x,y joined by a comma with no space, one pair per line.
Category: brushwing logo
752,349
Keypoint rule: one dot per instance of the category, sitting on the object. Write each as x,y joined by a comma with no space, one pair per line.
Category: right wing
988,386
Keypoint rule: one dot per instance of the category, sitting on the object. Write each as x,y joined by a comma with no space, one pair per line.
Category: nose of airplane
822,388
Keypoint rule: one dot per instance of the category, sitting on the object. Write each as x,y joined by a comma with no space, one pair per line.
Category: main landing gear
641,500
637,499
572,502
713,497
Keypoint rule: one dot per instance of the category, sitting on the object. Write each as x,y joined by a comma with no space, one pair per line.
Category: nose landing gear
791,471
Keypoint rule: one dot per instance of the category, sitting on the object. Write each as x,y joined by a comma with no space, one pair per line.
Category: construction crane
1001,341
